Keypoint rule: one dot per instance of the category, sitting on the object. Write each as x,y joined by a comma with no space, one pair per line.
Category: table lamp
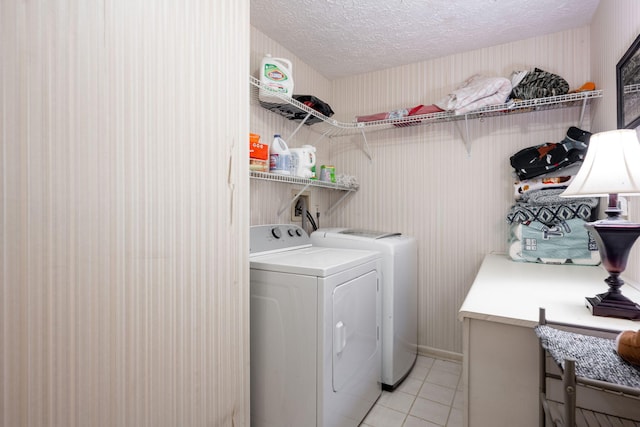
611,168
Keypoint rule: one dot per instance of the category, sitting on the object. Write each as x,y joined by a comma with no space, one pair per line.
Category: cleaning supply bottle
279,157
302,160
275,77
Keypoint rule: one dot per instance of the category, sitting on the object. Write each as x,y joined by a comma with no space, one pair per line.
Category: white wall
615,26
123,223
422,182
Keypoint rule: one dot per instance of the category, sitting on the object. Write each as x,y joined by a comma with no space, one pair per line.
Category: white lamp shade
611,166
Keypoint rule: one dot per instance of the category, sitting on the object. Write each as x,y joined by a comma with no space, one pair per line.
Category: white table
500,348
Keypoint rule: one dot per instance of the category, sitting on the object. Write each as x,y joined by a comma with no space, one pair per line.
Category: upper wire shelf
332,128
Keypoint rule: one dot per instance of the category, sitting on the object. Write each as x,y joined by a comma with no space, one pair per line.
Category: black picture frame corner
628,87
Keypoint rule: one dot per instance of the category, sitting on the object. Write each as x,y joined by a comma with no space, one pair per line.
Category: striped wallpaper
615,26
123,222
422,181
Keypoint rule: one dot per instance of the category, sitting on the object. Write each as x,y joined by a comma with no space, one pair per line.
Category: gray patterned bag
540,84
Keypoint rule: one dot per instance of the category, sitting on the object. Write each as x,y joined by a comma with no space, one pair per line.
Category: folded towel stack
548,228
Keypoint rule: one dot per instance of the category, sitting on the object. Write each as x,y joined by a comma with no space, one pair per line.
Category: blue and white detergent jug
279,157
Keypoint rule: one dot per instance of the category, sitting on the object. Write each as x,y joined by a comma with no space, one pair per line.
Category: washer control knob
299,232
291,232
275,231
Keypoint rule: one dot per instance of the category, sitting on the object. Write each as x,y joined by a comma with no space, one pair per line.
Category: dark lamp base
613,305
615,237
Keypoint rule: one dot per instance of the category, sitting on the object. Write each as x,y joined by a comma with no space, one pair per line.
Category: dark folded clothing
292,112
541,159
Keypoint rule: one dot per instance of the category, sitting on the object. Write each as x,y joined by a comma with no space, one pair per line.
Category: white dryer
315,331
399,276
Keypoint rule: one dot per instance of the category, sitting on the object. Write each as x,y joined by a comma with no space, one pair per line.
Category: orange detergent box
257,150
258,154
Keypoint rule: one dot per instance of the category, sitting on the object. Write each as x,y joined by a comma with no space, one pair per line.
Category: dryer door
355,329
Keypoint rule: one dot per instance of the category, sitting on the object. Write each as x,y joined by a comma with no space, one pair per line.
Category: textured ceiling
339,38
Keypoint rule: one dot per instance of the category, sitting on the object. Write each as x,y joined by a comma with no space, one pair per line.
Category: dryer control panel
276,237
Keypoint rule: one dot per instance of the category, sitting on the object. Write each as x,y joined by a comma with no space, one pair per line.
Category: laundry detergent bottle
279,157
302,160
275,78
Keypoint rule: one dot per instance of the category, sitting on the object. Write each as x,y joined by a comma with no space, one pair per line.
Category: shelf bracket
321,137
288,205
365,146
465,135
584,105
467,141
299,126
332,207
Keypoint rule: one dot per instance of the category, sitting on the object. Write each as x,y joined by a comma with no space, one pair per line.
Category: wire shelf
333,128
288,179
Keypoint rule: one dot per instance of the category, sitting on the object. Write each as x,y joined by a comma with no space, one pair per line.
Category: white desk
500,349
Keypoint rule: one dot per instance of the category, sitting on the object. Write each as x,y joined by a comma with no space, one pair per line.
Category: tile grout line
423,380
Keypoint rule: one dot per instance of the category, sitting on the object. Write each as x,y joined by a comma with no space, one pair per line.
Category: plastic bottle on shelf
275,77
279,157
302,160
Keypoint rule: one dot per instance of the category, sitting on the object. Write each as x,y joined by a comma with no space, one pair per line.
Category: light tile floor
431,396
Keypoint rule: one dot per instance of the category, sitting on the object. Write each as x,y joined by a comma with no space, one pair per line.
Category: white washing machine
399,277
315,331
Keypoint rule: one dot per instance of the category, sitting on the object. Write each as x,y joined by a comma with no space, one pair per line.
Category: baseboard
440,354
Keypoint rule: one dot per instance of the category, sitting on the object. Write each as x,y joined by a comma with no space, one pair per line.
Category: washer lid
312,261
368,234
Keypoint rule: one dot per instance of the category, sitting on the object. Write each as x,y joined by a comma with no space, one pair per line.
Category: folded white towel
477,92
